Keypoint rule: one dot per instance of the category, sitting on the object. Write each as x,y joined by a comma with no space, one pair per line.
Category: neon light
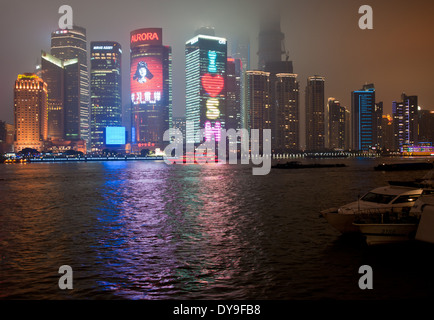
212,112
213,84
210,131
146,36
212,66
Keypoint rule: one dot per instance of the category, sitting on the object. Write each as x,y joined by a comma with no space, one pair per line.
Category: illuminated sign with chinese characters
146,80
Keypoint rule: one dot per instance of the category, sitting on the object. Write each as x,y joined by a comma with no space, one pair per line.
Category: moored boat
388,227
381,200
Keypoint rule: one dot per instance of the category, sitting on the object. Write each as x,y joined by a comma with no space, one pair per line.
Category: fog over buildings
321,38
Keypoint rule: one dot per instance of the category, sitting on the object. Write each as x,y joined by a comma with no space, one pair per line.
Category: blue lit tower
105,89
364,118
206,58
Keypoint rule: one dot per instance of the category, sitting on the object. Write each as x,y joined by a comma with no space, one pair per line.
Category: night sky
323,38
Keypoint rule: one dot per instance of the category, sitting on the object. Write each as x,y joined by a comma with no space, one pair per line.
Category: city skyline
306,46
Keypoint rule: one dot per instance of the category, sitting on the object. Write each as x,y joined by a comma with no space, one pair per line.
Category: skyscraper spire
271,39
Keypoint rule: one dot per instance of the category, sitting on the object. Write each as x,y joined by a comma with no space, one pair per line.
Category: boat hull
387,233
341,222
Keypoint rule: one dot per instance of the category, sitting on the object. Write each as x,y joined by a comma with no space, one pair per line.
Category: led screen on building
115,136
146,80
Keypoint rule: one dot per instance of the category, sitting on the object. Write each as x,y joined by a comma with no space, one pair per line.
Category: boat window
407,198
378,198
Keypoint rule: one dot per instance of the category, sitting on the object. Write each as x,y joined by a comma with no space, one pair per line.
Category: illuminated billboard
213,83
150,36
146,79
115,136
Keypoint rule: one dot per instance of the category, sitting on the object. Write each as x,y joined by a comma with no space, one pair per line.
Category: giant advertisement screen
115,136
146,80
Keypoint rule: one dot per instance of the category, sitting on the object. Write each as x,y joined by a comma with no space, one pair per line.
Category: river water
148,230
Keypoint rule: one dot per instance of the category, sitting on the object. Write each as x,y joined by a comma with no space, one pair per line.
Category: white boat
379,200
387,228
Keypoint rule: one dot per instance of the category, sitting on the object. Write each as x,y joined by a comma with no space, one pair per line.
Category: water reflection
147,230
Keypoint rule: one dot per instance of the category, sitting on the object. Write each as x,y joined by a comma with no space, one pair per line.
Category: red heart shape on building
213,84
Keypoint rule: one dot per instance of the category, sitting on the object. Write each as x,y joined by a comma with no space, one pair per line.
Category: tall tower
405,120
233,94
271,40
287,137
69,44
151,88
30,111
336,124
364,118
315,118
105,88
53,73
258,102
206,59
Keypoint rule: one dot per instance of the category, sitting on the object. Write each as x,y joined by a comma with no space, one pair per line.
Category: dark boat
299,165
404,166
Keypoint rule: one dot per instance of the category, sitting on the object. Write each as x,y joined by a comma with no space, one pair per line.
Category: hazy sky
323,38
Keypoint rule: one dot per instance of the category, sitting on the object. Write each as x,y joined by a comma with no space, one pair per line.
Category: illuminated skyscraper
67,44
30,111
336,124
315,119
151,88
105,89
53,73
258,104
364,118
405,120
206,59
287,137
426,125
233,94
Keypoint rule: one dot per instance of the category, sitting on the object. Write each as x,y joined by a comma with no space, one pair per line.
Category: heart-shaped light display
213,84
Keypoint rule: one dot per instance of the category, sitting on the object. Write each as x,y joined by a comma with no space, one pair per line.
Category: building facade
151,88
233,94
364,118
287,120
336,124
105,90
68,44
405,120
53,73
206,59
30,112
315,113
258,102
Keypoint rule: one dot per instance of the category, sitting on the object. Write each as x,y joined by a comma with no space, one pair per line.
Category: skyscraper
53,73
271,44
426,125
315,118
336,124
258,104
364,118
67,44
405,120
287,136
151,87
30,111
105,89
233,94
206,59
388,141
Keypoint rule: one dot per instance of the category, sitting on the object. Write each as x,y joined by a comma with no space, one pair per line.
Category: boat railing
385,215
